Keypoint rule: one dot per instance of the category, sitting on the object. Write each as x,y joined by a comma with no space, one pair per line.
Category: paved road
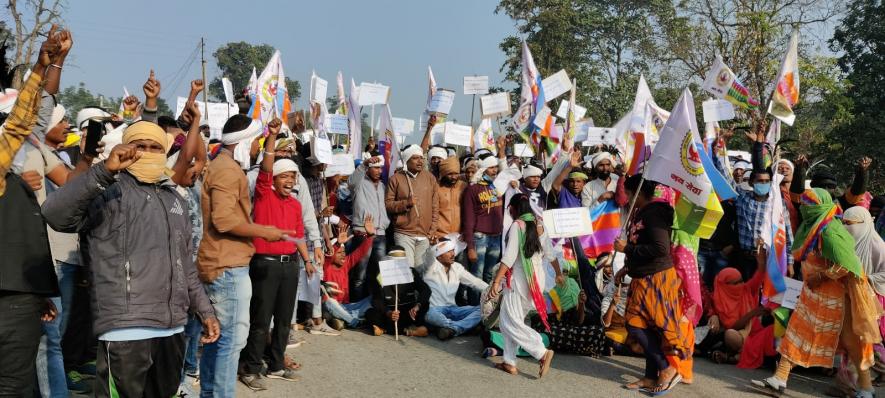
358,365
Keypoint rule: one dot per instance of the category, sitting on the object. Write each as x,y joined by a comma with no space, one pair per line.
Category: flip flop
503,367
545,363
638,387
766,388
672,383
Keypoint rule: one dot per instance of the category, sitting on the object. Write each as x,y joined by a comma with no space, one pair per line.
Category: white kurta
516,301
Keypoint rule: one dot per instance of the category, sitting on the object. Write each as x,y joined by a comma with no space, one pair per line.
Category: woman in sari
836,307
653,312
522,271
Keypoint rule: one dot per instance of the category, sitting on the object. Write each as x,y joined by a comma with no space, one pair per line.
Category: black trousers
79,344
379,318
20,332
274,284
139,368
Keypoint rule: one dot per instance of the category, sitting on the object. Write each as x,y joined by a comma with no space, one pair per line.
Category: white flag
786,87
675,161
273,96
354,119
484,137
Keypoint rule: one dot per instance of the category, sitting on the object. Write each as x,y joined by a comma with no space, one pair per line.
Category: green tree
75,98
236,60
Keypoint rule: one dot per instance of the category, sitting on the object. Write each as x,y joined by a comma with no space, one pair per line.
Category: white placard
541,117
497,104
600,136
373,94
788,298
717,110
395,272
502,181
478,85
556,85
523,151
318,89
219,112
562,112
458,134
567,223
442,101
581,130
403,127
308,289
438,134
321,150
337,124
228,90
341,165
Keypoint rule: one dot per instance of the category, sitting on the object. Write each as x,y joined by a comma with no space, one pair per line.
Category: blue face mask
762,189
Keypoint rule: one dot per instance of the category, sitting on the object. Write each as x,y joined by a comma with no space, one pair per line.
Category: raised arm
425,142
269,144
573,162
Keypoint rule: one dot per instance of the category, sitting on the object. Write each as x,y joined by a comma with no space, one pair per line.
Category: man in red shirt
336,271
273,270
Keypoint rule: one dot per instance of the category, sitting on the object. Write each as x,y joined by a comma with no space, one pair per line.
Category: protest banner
568,223
562,112
441,102
395,272
458,134
555,85
318,89
373,94
476,85
337,124
497,104
218,113
716,110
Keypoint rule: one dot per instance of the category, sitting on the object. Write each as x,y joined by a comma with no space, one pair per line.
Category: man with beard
603,187
436,154
451,189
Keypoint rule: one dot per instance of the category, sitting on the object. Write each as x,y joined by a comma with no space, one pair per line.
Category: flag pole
396,308
623,234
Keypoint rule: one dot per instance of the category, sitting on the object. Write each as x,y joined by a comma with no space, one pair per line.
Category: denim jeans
359,286
710,263
51,377
415,248
192,332
67,276
230,295
350,313
488,255
459,319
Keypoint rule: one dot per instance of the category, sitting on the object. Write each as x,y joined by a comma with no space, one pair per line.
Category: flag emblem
691,160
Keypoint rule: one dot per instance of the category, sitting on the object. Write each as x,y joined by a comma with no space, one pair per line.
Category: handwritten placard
373,94
497,104
523,151
337,124
318,89
502,181
403,127
599,136
321,150
340,165
441,102
476,85
542,116
567,223
562,112
458,134
788,298
395,272
717,110
555,85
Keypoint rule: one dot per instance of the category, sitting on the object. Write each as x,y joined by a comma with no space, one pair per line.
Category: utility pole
205,83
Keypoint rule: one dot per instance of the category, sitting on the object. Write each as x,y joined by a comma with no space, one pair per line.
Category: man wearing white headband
603,187
436,154
242,142
531,186
482,221
444,276
412,199
368,200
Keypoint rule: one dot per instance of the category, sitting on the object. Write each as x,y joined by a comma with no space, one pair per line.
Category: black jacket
136,238
648,240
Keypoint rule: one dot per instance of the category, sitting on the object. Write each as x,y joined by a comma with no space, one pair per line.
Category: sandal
662,389
506,368
545,363
637,385
765,387
490,352
291,364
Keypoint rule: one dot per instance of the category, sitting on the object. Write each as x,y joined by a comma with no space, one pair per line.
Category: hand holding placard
442,101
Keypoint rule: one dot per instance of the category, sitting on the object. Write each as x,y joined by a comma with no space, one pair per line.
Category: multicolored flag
272,99
387,144
531,96
723,83
354,118
484,137
568,140
606,220
786,88
774,233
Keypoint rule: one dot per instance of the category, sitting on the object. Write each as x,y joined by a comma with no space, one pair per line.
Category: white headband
437,152
443,247
490,161
379,163
600,157
531,171
410,151
788,163
284,165
241,152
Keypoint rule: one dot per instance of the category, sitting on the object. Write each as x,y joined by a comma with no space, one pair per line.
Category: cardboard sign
318,89
341,165
567,223
717,110
438,134
320,150
218,114
476,85
556,85
788,298
403,127
497,104
395,272
523,151
373,94
442,101
600,136
337,124
458,134
541,117
562,112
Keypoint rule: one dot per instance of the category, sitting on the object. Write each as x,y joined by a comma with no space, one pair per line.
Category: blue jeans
230,295
67,274
710,263
350,313
359,286
192,332
459,319
50,363
488,255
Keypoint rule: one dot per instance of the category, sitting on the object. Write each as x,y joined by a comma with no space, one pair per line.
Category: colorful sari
654,303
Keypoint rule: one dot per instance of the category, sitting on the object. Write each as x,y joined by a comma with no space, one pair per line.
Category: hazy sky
391,42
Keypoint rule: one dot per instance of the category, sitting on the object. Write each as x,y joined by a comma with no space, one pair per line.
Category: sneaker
77,384
417,331
253,382
323,329
445,334
87,369
336,324
186,388
294,340
283,374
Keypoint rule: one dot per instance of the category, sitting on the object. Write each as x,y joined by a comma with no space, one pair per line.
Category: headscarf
150,168
822,229
449,166
600,157
578,175
438,152
489,161
868,245
566,297
411,151
283,166
531,171
243,137
732,300
788,163
379,163
443,248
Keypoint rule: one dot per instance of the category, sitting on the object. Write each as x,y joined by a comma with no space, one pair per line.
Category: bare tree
31,19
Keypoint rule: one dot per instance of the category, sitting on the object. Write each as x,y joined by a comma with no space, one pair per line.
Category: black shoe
445,333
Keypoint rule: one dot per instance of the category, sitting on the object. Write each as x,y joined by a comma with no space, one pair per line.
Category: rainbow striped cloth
606,219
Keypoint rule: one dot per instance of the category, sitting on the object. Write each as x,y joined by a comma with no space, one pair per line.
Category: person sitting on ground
336,271
385,315
735,306
444,276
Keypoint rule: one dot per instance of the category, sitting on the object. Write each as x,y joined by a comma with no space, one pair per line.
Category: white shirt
443,285
594,189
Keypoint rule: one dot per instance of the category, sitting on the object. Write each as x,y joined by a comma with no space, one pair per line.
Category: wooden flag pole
396,308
